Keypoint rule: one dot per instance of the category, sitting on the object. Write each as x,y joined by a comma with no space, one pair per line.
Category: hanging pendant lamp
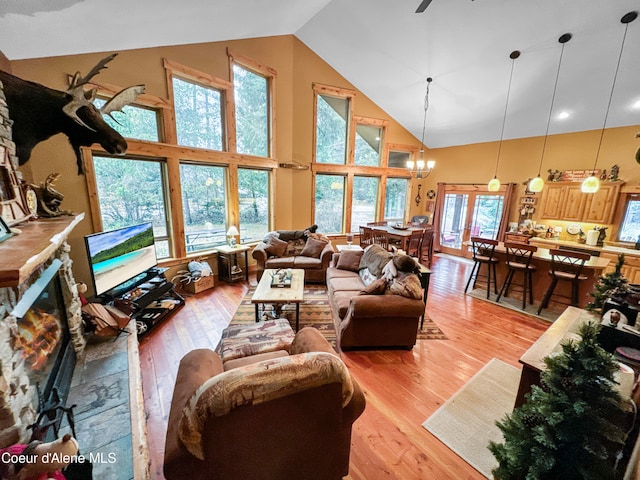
418,168
591,184
494,183
537,183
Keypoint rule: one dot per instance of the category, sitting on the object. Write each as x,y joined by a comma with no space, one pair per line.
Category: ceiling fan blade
423,6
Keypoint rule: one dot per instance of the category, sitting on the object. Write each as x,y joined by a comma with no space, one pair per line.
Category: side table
228,269
425,276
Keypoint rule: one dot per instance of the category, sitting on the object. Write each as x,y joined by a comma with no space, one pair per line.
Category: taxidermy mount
39,112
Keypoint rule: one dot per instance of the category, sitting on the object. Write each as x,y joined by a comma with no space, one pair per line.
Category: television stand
149,302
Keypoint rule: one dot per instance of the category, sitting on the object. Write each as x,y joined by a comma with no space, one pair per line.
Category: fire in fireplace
43,338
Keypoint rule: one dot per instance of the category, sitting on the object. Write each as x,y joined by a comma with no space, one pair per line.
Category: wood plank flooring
402,388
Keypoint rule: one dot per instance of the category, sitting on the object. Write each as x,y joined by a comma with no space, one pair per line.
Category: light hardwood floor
402,387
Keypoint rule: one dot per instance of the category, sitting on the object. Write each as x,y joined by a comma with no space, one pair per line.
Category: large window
251,96
630,228
396,199
253,191
331,129
131,191
368,141
329,203
204,206
365,201
133,121
199,115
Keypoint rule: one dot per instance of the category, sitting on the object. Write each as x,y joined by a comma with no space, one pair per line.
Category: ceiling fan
423,5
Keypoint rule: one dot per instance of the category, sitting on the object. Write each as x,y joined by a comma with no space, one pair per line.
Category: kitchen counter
545,242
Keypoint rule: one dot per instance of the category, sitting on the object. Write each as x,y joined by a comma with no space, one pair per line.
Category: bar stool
519,260
567,266
483,250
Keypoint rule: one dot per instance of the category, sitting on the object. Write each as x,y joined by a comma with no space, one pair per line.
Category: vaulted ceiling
387,51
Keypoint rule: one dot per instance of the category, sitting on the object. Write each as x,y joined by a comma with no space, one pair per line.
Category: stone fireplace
25,257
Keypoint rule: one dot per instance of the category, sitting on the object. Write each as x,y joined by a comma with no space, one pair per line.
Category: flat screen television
117,256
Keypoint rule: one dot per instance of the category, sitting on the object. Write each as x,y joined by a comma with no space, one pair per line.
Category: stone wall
16,391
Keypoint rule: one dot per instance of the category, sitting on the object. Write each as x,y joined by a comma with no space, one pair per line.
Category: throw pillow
294,247
276,247
406,285
375,258
375,288
349,260
313,248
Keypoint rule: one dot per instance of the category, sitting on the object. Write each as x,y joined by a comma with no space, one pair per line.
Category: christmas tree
610,285
571,426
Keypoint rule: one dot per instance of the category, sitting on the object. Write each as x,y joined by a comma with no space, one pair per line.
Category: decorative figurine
614,176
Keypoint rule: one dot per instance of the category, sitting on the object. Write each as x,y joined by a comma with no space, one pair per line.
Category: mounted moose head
39,112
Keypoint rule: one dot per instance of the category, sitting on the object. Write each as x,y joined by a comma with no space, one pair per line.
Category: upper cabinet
565,201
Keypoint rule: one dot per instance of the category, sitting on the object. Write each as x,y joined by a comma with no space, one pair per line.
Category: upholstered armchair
288,417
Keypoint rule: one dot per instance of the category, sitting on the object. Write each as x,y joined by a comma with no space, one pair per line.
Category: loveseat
367,310
303,249
286,417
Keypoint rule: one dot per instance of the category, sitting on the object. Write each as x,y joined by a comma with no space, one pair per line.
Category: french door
467,214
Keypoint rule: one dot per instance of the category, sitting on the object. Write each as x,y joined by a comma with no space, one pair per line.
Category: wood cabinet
630,269
565,201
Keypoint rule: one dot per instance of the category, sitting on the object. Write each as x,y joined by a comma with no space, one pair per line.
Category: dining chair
377,224
365,236
566,266
380,237
426,247
414,244
483,250
519,257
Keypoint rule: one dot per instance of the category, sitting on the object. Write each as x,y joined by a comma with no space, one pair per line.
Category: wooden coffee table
265,293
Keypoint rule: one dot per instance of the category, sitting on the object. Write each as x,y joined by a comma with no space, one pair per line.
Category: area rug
466,422
315,312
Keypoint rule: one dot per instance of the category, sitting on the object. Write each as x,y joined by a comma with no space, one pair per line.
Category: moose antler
121,99
77,81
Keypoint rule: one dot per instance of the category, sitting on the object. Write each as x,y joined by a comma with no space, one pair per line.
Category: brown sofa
289,416
371,320
295,254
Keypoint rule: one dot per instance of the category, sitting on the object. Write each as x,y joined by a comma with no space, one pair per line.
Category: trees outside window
131,191
332,118
395,199
252,112
368,141
199,115
133,121
204,206
329,203
364,202
630,228
253,192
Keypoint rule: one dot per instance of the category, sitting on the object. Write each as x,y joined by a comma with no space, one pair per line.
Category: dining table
400,234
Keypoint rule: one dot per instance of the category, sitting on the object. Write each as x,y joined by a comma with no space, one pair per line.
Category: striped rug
315,312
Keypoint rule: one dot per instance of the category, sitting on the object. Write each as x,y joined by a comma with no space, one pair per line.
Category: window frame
270,75
172,154
349,170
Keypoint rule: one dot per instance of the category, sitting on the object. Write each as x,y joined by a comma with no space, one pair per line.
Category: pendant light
591,184
494,183
417,168
537,183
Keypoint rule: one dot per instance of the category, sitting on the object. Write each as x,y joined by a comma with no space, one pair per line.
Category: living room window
199,115
204,205
332,118
251,95
329,203
254,200
395,203
367,145
131,191
364,203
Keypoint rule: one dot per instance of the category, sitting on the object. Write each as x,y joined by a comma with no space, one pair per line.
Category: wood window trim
206,80
349,95
270,74
370,122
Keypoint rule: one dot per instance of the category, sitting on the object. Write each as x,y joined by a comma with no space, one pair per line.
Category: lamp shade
590,185
536,185
233,231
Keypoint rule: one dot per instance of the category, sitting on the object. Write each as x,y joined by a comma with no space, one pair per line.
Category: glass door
466,215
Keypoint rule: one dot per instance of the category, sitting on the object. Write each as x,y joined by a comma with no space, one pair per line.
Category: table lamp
232,233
